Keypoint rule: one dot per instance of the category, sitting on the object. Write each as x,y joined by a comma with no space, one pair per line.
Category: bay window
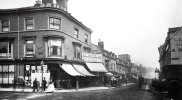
55,47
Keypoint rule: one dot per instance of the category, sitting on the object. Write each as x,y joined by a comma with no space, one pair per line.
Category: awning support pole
77,83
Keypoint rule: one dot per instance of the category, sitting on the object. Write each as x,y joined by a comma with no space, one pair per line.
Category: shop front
64,74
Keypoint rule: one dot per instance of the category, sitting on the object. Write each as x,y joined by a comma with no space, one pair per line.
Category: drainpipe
18,35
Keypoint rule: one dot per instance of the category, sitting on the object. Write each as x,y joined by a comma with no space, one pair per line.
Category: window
86,38
7,73
54,23
29,24
77,51
76,33
5,25
5,49
54,47
29,48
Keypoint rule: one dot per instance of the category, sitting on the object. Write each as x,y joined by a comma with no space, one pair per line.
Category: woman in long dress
50,87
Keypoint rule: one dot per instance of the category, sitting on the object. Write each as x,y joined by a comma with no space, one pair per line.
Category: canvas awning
81,69
68,68
96,67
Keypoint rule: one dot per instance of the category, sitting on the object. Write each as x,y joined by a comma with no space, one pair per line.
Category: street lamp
156,71
42,65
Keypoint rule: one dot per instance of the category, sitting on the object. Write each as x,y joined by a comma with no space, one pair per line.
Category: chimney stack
101,44
62,4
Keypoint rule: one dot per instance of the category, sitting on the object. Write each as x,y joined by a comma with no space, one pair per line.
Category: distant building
109,58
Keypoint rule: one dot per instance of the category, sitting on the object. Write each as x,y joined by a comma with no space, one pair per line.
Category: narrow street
124,93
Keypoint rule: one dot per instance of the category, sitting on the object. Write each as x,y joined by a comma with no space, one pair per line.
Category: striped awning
68,68
96,67
81,69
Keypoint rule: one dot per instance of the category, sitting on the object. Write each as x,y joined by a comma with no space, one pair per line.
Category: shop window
77,52
76,33
54,23
7,73
5,25
29,48
29,24
6,49
55,47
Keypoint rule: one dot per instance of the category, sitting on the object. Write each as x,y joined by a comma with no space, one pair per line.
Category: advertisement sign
176,48
91,57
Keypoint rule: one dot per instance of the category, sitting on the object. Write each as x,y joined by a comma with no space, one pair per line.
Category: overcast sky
135,27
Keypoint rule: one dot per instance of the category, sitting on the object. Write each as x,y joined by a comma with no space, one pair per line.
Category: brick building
43,41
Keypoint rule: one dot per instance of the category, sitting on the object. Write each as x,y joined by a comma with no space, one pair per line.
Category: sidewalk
62,90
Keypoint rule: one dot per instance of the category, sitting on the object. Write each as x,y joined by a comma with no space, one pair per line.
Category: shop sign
27,67
33,67
39,68
91,57
45,67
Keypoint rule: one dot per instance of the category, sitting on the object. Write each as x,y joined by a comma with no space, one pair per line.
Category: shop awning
96,67
81,69
68,68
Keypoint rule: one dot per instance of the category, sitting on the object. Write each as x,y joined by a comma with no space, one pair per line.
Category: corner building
43,41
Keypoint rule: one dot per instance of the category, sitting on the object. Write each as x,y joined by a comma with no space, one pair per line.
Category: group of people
36,85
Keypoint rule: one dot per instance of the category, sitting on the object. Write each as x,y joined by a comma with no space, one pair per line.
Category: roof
32,8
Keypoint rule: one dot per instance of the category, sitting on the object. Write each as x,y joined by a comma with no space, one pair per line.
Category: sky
135,27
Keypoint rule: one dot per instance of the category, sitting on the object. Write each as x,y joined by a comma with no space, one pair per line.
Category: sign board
91,57
44,67
176,48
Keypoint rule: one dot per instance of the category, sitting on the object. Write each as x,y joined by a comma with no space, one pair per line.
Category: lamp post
42,65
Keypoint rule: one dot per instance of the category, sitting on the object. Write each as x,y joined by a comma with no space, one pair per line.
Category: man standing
44,82
35,85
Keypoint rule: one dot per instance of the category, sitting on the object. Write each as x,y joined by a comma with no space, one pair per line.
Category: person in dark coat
44,83
35,85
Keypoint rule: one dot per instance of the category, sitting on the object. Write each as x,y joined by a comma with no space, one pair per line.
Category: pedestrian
35,85
50,87
126,81
44,83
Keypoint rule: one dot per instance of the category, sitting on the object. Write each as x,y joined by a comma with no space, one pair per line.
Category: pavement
61,90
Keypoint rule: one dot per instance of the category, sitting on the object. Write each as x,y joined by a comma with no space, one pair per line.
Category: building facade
170,51
38,41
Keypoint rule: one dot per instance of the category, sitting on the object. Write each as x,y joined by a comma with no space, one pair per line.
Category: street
130,92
